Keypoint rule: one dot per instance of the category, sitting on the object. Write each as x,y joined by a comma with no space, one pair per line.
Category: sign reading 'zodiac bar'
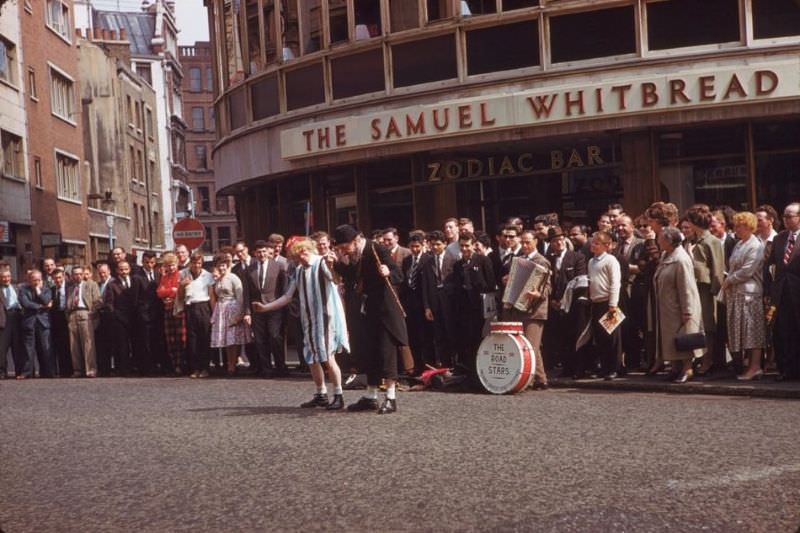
583,99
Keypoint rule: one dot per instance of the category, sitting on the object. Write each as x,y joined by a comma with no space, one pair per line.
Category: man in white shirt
195,289
59,330
82,301
765,224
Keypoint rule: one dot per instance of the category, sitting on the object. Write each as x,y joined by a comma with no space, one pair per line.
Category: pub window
679,23
776,18
424,61
264,95
403,15
310,25
305,87
439,9
338,20
368,19
510,5
478,7
519,42
704,165
605,32
358,74
236,102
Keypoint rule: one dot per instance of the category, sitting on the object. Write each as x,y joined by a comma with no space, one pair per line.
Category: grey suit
80,310
10,333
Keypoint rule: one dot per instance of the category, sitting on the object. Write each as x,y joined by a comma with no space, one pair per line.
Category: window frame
11,60
61,155
55,26
53,73
18,157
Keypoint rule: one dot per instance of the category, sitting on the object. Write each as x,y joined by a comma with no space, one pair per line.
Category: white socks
391,392
322,389
337,390
372,393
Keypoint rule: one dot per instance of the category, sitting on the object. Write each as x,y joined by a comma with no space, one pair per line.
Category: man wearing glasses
784,294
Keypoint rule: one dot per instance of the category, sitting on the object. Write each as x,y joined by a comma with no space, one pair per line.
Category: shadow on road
262,410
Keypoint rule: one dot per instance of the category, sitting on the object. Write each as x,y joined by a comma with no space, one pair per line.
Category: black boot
336,404
363,404
319,400
388,406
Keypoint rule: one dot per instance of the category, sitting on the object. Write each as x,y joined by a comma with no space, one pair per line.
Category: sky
190,16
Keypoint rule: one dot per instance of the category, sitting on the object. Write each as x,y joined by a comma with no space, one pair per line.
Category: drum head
504,363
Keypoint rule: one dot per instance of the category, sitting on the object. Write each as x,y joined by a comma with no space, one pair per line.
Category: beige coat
708,257
676,295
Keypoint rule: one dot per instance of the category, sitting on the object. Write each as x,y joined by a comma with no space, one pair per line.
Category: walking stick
389,283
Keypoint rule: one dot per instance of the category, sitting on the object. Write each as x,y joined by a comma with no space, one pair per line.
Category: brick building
58,175
215,211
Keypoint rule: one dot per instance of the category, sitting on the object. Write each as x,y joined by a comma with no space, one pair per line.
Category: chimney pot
123,34
113,35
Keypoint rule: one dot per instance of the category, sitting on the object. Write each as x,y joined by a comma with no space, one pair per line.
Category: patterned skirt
746,325
227,328
174,334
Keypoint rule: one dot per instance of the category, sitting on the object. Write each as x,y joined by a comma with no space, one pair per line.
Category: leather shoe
363,404
540,386
388,406
611,376
319,400
684,376
336,404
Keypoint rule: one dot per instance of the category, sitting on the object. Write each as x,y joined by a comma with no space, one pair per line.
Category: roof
140,27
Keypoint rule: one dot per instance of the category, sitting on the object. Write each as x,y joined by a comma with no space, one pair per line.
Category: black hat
554,233
344,234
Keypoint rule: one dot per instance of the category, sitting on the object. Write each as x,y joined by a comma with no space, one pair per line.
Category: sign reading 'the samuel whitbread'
585,97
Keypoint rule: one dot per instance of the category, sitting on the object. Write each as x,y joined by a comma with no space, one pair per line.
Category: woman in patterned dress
743,296
174,323
228,329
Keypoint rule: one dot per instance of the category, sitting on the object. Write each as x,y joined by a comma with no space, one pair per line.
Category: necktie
261,270
439,269
412,274
467,279
789,249
125,283
7,296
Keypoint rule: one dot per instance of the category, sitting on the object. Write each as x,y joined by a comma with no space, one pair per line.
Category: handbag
690,341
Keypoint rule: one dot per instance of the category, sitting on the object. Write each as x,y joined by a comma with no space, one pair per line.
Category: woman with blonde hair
174,320
322,319
743,295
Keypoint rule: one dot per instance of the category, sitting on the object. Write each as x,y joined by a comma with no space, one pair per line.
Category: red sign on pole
190,232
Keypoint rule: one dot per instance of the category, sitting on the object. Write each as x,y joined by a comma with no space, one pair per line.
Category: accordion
524,276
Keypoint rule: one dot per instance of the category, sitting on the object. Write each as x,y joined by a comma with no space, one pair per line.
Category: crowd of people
706,291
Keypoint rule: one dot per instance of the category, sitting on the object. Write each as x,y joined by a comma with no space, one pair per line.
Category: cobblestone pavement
239,455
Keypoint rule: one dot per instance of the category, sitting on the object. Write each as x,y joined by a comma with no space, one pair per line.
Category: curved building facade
405,112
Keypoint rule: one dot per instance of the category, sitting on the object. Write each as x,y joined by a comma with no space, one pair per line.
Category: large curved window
265,98
305,86
776,18
424,61
503,47
358,74
679,23
592,34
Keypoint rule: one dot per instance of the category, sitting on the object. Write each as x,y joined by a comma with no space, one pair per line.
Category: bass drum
505,360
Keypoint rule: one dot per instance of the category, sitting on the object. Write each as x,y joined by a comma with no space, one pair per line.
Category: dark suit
124,304
630,334
267,327
36,331
59,330
149,343
385,324
419,330
560,331
472,278
11,333
437,294
784,294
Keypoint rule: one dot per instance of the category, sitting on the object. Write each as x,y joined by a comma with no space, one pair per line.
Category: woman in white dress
228,329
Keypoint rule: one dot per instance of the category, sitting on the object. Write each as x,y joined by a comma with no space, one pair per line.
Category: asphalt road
222,455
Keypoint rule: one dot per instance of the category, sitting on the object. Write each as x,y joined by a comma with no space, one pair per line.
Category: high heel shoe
756,375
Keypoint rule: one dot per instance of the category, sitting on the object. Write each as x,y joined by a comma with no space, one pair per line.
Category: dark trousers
419,332
268,333
121,346
198,335
59,341
149,346
444,333
37,347
786,339
607,347
469,339
381,363
357,330
556,340
11,338
104,343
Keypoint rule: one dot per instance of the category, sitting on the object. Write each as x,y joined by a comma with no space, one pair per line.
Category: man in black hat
371,265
